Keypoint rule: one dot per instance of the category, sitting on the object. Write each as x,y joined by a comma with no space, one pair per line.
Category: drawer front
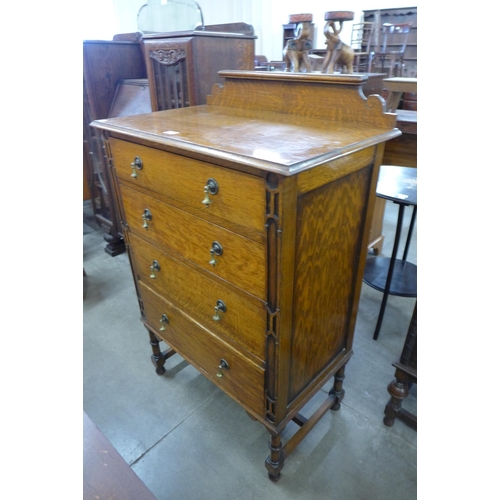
242,261
244,320
243,380
240,197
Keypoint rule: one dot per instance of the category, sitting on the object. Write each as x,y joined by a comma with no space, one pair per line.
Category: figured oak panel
242,261
330,224
245,319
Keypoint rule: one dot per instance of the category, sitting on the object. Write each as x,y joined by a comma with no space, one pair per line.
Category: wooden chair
361,40
392,49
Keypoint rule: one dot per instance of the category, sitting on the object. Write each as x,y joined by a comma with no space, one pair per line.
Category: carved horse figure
296,51
337,51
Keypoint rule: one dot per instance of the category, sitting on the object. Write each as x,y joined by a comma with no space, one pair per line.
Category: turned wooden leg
398,389
159,357
115,246
337,390
275,460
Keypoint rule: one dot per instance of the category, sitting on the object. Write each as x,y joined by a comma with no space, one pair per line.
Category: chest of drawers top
283,123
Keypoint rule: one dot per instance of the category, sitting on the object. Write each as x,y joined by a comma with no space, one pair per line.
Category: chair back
361,36
395,38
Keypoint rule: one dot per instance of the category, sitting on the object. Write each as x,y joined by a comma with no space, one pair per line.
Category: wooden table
394,276
106,475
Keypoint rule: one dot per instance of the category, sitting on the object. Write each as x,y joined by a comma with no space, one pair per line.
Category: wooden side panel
213,54
330,226
338,98
401,151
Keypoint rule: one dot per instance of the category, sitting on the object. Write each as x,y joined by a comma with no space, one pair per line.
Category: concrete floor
187,440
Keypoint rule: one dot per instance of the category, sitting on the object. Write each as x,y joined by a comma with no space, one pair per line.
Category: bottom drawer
243,380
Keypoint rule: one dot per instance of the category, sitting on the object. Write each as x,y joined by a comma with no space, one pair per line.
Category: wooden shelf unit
397,16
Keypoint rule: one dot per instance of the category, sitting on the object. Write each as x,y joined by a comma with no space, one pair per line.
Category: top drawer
239,198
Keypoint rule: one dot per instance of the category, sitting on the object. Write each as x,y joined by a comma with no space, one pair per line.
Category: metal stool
394,276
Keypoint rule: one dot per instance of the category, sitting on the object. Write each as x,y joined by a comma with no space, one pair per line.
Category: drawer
240,197
242,261
243,380
244,320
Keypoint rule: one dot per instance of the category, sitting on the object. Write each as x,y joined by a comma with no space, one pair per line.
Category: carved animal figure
296,51
338,52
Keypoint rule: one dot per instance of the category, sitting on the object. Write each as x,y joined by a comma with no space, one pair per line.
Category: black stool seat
394,276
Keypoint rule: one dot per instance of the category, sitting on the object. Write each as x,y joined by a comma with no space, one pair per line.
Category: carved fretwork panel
273,232
171,78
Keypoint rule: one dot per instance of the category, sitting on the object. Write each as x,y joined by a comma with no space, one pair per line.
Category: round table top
300,18
339,15
398,184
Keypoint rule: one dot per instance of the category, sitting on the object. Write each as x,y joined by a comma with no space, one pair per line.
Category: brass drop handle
163,322
136,165
146,216
220,307
154,267
222,366
215,250
211,188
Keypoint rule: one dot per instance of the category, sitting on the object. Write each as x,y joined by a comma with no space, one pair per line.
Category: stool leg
410,231
390,271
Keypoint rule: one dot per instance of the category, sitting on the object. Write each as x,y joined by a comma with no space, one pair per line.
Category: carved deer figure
337,51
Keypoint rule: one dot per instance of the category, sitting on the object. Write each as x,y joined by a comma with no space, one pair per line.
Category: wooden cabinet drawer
245,318
240,197
242,261
243,380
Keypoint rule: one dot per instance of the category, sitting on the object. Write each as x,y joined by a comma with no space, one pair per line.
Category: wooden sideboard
247,222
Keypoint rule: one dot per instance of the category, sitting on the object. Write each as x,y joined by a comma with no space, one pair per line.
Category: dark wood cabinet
247,227
105,64
182,67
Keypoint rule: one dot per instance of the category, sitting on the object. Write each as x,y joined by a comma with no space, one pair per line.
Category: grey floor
187,440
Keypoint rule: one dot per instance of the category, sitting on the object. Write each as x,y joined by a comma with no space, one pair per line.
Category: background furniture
401,150
289,32
106,475
131,98
183,77
182,67
391,50
361,42
105,65
394,276
261,292
405,376
396,16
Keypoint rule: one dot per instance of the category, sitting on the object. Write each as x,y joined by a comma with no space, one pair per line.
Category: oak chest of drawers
247,221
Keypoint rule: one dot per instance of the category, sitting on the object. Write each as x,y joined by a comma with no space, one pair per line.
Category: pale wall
107,17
